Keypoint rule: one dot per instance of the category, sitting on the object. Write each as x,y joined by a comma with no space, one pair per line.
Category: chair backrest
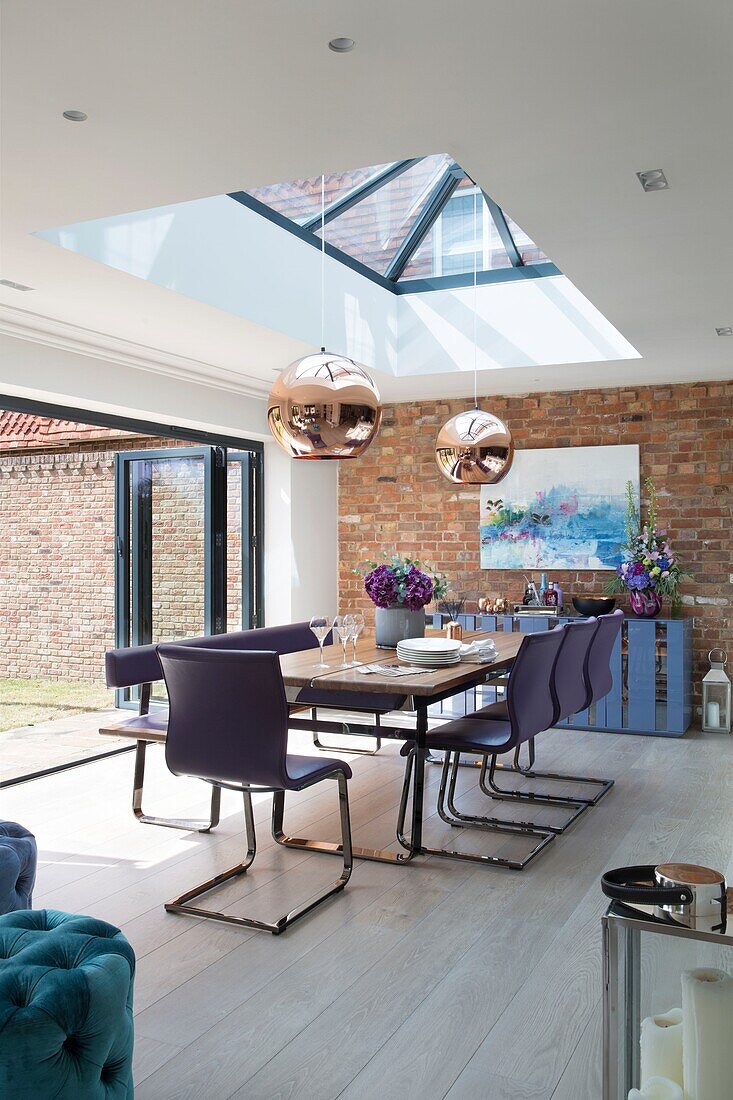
228,715
139,664
569,688
529,693
598,674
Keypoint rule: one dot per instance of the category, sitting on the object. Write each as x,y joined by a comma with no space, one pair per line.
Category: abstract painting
559,508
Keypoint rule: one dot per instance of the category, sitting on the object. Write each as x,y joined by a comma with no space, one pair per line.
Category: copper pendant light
474,447
324,405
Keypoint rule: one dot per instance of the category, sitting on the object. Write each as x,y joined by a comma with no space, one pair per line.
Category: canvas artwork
559,508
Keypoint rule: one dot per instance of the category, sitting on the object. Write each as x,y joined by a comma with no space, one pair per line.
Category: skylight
408,225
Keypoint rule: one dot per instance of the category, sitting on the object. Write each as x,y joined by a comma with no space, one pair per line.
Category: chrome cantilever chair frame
229,719
529,713
189,825
348,732
450,765
181,904
606,624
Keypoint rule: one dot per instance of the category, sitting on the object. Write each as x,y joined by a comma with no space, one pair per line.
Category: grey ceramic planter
395,624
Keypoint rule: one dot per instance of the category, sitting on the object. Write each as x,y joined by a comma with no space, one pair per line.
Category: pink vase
645,603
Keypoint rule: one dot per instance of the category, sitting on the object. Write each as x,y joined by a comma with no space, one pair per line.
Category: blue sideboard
652,675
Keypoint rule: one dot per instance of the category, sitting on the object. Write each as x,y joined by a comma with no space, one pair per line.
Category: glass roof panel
374,227
300,199
530,252
373,230
451,246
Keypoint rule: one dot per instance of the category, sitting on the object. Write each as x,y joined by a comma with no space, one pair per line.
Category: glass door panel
244,577
168,556
177,548
188,537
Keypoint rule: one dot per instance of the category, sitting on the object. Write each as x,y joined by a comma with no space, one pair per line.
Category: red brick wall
57,558
395,499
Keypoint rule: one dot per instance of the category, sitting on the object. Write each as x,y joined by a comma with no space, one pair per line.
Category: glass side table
643,959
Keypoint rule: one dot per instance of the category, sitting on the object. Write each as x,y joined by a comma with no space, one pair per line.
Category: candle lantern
716,694
668,986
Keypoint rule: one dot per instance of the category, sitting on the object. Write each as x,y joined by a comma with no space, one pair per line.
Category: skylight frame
436,202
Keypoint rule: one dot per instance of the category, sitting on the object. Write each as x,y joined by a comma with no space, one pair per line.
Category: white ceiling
552,107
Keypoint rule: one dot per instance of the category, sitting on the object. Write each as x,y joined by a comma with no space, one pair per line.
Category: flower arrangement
649,564
404,582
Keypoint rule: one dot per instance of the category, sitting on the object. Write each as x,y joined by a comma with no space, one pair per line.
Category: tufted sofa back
17,867
66,985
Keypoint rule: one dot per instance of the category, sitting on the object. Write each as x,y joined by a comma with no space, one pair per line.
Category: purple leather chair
530,710
134,666
569,695
228,725
582,676
138,666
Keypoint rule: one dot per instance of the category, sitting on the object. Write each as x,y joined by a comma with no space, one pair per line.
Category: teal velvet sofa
66,986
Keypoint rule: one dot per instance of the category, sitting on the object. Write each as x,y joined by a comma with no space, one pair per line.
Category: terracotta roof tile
20,431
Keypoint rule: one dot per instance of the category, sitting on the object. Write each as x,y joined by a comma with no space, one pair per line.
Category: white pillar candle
657,1088
712,714
707,1034
661,1046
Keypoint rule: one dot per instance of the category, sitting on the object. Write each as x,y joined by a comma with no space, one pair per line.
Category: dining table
416,691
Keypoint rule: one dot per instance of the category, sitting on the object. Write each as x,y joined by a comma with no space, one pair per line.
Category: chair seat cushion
304,770
18,858
494,712
472,735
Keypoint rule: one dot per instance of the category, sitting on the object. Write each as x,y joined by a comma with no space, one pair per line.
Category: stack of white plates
429,652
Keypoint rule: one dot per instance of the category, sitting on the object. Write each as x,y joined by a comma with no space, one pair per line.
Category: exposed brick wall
394,498
57,557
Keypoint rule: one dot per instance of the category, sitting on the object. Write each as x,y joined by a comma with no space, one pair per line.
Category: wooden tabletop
301,669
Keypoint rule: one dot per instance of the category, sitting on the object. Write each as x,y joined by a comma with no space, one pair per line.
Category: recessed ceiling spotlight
341,45
725,330
653,180
14,286
75,116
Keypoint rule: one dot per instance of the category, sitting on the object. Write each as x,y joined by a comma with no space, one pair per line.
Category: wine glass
320,625
343,625
357,625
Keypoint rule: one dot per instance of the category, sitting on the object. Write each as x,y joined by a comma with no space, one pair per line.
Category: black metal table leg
421,730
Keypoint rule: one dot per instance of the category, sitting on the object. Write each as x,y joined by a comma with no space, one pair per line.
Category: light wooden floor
438,979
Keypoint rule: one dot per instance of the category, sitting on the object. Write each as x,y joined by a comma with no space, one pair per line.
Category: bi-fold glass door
187,549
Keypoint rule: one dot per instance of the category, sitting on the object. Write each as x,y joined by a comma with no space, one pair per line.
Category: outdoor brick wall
394,498
57,558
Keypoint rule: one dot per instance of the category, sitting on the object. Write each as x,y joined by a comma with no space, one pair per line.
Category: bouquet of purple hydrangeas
649,564
402,582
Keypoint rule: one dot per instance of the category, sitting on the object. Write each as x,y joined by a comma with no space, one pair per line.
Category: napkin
478,653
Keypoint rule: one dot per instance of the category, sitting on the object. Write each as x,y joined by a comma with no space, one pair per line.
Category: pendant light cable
475,277
323,262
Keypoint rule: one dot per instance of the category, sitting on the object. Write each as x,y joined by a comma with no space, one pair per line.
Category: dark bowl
594,605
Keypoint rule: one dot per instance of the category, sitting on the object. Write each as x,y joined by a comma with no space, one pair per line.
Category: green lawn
28,702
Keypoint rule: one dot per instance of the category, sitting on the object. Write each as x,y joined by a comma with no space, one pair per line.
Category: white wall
45,373
301,527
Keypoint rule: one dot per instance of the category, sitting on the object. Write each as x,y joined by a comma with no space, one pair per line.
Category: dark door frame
224,442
